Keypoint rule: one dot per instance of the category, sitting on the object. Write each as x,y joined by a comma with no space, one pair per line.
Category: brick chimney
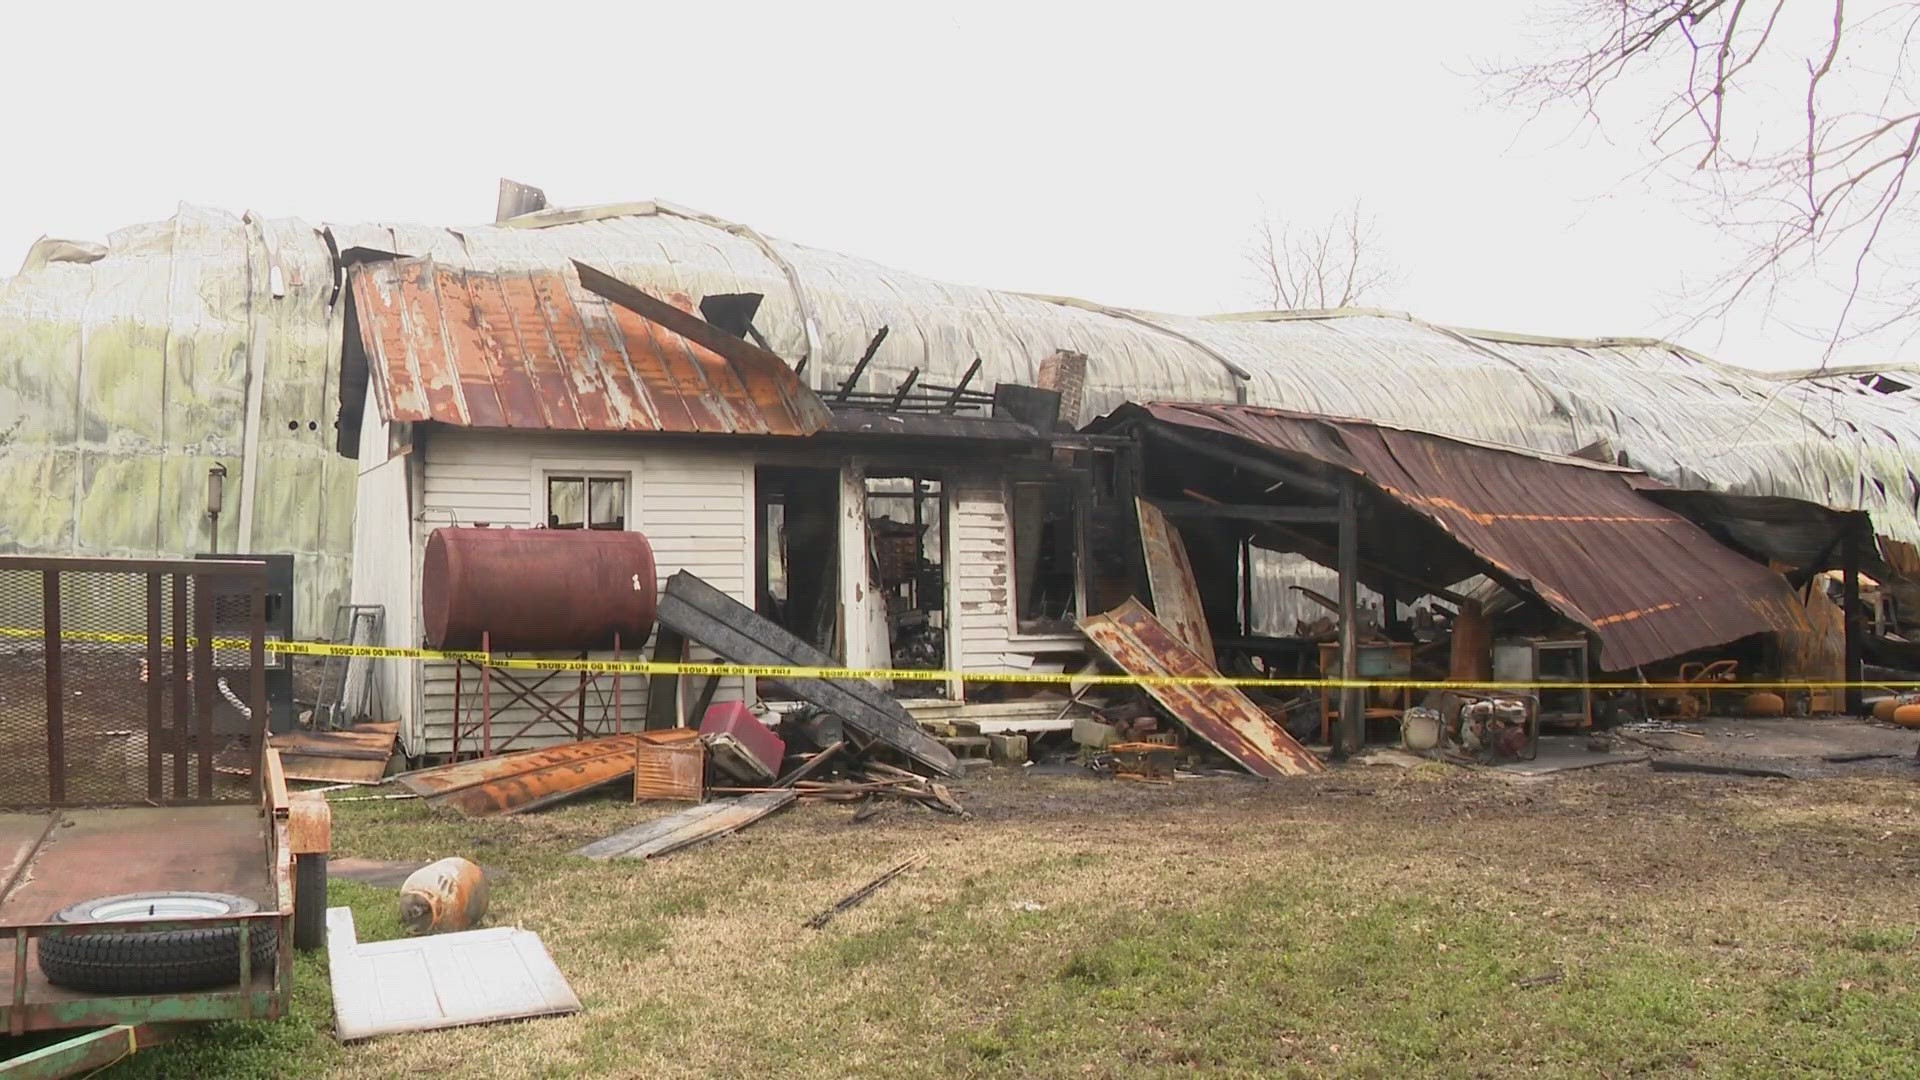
1065,373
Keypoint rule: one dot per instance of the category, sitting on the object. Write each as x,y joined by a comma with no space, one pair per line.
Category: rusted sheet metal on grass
511,783
1141,645
1176,595
694,825
534,350
1648,582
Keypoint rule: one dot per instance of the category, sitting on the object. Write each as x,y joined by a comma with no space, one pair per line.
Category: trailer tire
309,902
160,961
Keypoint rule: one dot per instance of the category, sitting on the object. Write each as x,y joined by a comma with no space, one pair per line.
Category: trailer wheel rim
182,906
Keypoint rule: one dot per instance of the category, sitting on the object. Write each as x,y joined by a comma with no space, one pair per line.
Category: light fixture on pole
216,495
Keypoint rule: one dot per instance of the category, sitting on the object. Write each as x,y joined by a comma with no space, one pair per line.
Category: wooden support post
1353,722
1850,612
1246,586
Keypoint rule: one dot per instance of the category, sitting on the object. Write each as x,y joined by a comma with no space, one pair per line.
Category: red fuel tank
537,589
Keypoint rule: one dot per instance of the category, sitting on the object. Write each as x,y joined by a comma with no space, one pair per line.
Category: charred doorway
797,568
907,566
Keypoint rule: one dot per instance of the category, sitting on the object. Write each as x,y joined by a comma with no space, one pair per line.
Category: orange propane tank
1763,703
1907,716
448,895
1883,709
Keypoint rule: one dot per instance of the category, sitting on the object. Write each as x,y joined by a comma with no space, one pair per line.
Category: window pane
566,502
609,510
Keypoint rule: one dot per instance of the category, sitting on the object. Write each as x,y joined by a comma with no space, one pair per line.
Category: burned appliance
232,618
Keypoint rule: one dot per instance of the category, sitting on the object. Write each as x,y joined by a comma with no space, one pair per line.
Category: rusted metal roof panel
1176,595
511,783
1142,645
1646,580
534,350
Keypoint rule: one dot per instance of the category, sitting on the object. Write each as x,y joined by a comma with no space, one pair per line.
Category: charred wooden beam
860,368
1240,459
965,380
906,387
1243,512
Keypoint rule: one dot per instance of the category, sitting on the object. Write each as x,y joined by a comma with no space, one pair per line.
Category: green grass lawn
1369,923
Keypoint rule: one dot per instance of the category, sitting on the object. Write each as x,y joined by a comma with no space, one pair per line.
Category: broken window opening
586,502
906,529
1046,573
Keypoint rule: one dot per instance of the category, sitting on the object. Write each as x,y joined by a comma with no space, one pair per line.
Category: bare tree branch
1794,133
1338,263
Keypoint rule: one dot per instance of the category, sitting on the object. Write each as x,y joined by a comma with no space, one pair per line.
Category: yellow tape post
751,671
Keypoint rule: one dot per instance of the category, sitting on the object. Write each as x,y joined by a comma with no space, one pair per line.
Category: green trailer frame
186,835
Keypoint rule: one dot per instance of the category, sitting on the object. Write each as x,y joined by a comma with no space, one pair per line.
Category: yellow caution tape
779,671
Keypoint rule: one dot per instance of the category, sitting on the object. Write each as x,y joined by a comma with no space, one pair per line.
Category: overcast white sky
1119,154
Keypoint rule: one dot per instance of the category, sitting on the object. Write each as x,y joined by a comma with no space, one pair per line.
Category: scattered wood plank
1716,768
694,825
811,765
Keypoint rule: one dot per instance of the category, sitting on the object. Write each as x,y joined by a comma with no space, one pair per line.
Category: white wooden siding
695,506
983,586
982,571
382,570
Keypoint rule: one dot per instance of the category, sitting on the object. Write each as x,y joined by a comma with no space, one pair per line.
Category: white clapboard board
440,981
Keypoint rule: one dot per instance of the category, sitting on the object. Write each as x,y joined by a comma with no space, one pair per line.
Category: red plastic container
739,744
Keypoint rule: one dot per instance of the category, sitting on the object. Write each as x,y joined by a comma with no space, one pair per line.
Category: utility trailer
140,890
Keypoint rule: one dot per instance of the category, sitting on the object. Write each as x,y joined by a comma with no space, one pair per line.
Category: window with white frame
586,501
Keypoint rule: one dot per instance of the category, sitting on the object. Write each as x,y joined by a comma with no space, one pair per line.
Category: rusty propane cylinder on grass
1763,703
448,895
535,589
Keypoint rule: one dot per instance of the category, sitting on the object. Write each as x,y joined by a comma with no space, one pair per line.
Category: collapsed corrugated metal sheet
526,780
1224,716
533,350
1797,535
1649,583
1176,596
